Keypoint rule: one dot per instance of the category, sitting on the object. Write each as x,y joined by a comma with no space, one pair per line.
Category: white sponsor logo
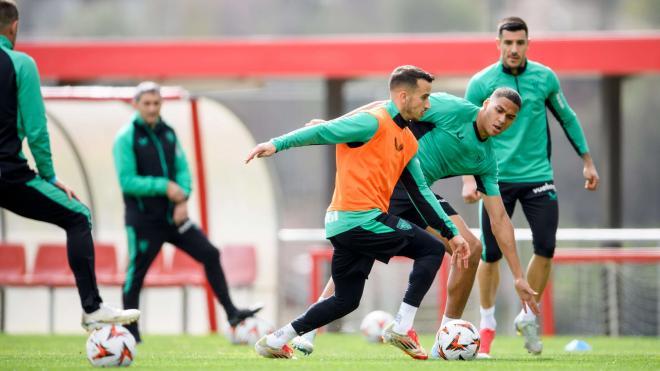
560,101
543,188
331,216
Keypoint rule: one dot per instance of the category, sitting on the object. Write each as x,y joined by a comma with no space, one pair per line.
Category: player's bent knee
345,306
490,256
475,249
77,222
212,255
545,251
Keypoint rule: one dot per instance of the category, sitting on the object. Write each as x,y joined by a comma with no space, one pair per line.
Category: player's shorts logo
544,188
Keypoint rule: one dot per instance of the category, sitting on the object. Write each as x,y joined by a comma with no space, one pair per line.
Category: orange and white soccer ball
458,340
111,346
373,324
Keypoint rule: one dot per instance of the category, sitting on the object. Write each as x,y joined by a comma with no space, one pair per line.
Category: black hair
8,13
408,75
509,94
511,24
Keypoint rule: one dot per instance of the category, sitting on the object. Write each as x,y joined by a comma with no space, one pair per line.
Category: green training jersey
449,143
356,129
523,151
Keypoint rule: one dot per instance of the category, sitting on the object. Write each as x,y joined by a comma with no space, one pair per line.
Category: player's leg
460,282
144,244
349,269
542,212
305,343
427,253
190,239
488,273
40,200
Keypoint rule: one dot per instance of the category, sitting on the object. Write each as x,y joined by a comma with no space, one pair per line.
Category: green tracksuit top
146,160
360,128
523,151
449,143
22,114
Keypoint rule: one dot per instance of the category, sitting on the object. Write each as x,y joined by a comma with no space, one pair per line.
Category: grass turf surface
334,352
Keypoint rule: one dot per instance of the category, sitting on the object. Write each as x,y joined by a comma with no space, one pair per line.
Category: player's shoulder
442,96
539,68
21,60
125,131
442,101
487,72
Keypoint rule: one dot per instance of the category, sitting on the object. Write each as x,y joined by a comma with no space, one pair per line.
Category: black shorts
539,203
382,238
401,206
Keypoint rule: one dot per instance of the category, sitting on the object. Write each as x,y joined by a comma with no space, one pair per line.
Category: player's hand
470,193
591,176
265,149
175,192
526,295
314,122
460,251
69,192
180,213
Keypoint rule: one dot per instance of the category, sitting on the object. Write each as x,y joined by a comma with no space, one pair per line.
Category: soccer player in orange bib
374,150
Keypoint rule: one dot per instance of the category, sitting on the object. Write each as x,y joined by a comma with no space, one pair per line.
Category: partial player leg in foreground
40,200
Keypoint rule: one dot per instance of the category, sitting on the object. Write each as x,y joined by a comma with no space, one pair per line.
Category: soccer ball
458,339
373,324
230,334
111,346
251,330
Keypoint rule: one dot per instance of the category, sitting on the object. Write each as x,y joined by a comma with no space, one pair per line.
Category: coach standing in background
525,170
155,183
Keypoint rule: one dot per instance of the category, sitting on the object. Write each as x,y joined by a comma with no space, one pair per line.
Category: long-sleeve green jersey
523,151
449,143
356,130
22,114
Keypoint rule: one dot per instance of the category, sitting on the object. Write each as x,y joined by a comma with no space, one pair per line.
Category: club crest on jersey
403,225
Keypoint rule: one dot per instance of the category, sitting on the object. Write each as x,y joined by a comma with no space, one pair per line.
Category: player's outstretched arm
503,231
265,149
590,173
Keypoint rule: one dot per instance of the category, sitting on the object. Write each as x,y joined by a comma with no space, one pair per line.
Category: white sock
527,316
404,319
446,319
487,318
310,336
280,337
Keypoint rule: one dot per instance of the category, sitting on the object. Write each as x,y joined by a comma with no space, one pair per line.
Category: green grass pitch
334,352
